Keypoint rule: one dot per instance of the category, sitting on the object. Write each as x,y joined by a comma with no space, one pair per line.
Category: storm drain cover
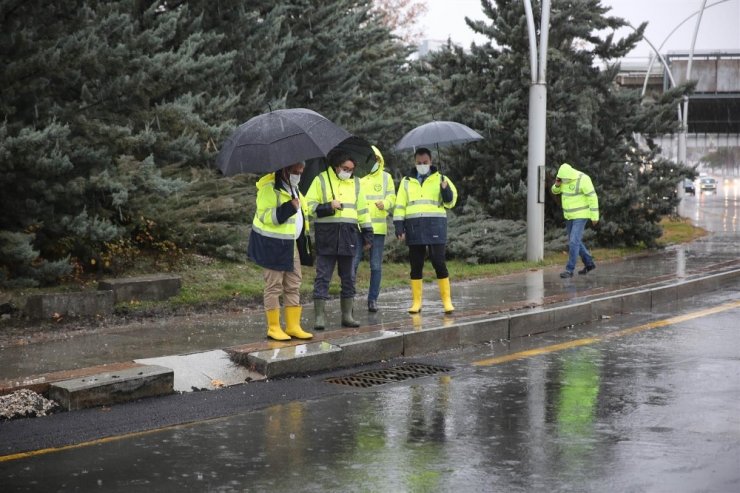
371,378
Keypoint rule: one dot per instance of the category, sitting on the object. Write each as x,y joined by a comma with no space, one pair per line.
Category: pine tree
590,121
85,86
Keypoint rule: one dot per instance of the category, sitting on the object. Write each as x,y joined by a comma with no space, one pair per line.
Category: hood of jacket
271,179
267,180
567,172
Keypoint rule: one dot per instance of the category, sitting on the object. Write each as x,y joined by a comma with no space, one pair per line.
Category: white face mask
295,179
375,168
423,169
344,175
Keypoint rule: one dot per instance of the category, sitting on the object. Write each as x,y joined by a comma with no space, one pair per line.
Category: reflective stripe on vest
271,228
345,205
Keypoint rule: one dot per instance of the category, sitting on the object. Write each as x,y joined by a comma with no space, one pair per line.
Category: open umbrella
357,147
438,134
277,139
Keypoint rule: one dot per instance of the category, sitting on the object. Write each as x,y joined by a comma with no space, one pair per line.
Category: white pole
685,113
537,133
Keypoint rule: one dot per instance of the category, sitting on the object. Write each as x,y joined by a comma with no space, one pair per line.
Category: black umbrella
277,139
438,134
356,147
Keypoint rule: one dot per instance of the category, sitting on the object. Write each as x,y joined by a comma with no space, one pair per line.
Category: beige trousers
288,284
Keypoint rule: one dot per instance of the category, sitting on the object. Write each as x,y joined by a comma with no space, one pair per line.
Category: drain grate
371,378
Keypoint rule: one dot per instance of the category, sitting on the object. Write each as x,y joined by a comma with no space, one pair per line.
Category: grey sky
720,26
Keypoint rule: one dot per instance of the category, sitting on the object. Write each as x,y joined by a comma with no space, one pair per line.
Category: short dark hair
423,150
338,156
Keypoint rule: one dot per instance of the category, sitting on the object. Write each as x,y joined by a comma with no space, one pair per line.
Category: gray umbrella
438,134
277,139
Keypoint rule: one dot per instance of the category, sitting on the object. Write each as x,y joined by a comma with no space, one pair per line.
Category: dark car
688,187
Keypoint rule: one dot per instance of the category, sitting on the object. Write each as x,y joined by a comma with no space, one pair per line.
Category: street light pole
685,123
537,133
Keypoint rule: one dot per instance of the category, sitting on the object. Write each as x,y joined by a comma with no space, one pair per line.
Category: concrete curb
413,341
284,359
110,388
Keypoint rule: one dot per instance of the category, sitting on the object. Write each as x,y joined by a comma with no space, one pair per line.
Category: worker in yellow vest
339,208
580,204
279,243
420,218
380,196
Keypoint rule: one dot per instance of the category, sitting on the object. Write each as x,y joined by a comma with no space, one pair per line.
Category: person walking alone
336,202
380,197
279,243
580,204
420,218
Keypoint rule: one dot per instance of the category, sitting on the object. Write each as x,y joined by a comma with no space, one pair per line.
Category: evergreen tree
108,105
86,84
338,58
591,123
351,68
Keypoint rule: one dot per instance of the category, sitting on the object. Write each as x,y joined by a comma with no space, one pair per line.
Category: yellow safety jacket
336,230
379,186
421,211
579,200
274,235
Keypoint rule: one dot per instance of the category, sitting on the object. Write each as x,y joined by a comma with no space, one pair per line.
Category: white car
708,184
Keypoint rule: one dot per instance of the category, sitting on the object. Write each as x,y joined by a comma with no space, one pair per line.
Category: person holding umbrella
278,143
335,200
420,218
279,243
380,196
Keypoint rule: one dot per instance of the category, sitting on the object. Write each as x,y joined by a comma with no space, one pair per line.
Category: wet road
645,402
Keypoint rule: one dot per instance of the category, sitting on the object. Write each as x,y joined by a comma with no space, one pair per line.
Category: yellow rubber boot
273,326
417,287
293,323
444,293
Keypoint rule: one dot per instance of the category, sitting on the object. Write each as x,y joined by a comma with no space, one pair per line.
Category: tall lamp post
685,123
537,133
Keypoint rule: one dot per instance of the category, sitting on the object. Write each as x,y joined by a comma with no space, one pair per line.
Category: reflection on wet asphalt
651,411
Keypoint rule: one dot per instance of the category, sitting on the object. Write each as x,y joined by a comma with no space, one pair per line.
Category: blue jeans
376,264
574,228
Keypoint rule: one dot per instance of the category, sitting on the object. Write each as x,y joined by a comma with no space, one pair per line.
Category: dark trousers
324,272
417,253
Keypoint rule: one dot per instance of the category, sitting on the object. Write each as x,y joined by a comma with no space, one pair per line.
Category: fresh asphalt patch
68,429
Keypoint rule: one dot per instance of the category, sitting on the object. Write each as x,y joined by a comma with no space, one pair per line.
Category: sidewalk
200,350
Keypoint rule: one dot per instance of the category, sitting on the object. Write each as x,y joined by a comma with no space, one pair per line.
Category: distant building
428,45
632,76
714,106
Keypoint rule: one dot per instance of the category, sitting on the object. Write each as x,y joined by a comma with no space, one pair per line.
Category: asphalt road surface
644,402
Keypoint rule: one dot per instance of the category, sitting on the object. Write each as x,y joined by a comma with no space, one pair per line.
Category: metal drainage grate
371,378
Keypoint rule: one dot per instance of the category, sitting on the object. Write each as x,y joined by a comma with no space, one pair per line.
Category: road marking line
619,333
98,441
